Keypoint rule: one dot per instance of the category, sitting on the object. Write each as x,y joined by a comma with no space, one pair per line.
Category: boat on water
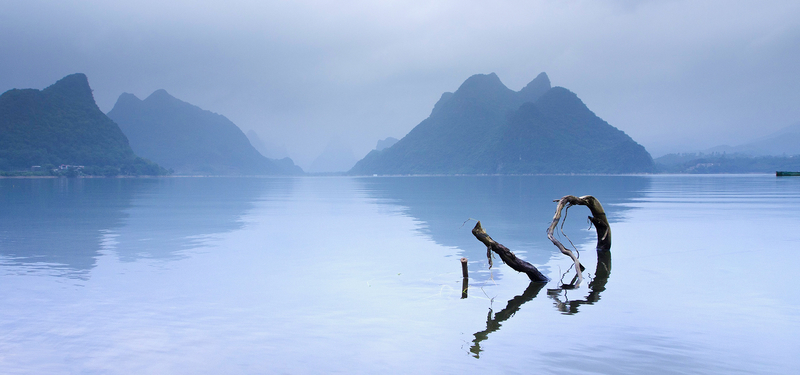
784,173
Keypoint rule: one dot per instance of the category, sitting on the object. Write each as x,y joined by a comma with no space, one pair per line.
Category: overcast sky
674,75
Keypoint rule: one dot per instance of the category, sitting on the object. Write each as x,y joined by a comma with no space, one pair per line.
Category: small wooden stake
465,280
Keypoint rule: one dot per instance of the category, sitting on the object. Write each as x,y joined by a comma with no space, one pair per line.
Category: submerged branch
598,218
506,255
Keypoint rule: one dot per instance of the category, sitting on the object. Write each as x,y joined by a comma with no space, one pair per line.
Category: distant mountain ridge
385,143
61,125
785,141
337,157
486,128
190,140
268,149
778,151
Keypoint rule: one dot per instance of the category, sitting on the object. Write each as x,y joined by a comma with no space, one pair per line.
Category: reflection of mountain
60,222
64,223
174,214
514,210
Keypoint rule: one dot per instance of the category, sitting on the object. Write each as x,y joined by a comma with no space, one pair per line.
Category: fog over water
675,75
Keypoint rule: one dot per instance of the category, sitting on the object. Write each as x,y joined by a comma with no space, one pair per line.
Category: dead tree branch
507,256
598,218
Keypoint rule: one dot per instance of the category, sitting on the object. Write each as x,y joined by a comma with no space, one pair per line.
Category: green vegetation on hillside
61,125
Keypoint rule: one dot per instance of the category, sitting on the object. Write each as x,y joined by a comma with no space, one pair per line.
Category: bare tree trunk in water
507,256
598,219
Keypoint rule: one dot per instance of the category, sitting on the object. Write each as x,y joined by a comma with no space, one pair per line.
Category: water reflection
566,306
493,324
515,209
596,286
175,214
61,225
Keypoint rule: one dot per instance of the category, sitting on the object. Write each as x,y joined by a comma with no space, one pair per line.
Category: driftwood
506,255
598,219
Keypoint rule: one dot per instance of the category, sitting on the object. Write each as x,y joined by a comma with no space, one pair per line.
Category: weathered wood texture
465,278
598,219
506,255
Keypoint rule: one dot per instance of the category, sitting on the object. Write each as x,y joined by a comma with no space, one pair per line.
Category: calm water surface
362,275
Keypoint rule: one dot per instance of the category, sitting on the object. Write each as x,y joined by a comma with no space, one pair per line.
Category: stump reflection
596,286
493,323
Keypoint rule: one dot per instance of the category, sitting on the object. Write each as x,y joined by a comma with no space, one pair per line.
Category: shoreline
390,175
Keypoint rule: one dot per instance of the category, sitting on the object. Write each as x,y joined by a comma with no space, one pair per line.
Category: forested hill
61,125
486,128
190,140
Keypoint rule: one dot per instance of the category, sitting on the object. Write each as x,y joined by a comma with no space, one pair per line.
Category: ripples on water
361,275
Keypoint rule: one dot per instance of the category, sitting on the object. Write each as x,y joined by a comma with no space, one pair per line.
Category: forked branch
598,219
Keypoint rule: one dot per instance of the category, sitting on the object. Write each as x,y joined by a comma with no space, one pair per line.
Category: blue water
362,275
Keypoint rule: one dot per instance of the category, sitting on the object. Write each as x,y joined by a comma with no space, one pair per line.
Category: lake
362,275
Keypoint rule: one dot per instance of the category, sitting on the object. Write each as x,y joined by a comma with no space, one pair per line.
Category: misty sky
674,75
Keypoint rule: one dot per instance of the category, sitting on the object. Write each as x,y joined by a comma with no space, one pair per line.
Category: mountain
385,143
485,127
699,163
266,148
61,125
783,142
778,151
190,140
337,157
